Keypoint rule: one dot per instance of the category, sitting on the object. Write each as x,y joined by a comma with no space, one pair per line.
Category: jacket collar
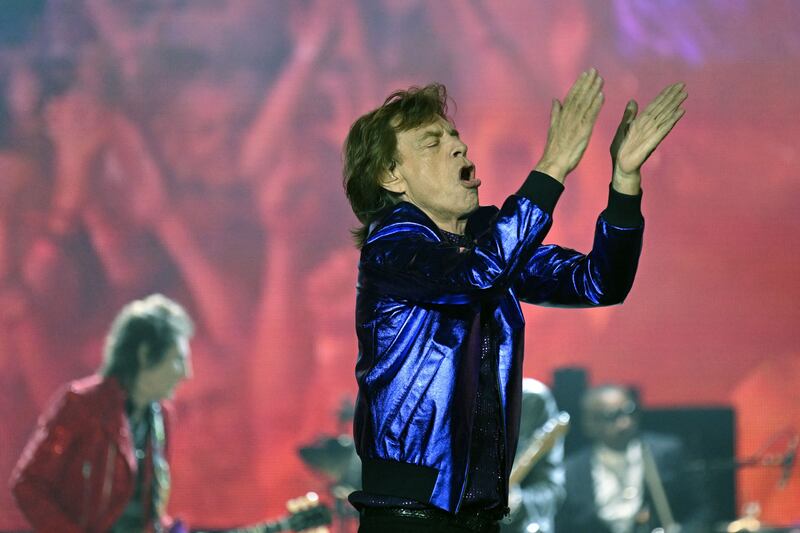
406,216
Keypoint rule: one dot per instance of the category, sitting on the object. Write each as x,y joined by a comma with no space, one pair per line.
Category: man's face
435,175
158,382
612,418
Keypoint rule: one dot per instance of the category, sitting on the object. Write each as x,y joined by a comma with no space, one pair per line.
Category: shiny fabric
78,471
419,340
485,480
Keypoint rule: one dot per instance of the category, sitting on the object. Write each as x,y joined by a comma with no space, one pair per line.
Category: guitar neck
314,518
305,513
274,527
265,527
542,442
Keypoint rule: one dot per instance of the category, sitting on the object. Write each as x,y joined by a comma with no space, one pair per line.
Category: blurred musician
627,481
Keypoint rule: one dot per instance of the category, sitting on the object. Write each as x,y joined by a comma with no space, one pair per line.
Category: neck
450,225
458,226
446,223
139,404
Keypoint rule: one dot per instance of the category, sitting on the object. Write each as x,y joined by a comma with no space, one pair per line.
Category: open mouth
467,177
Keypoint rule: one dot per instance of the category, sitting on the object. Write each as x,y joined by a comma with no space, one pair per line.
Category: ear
141,355
393,181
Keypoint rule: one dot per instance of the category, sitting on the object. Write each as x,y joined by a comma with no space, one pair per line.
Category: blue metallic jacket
418,320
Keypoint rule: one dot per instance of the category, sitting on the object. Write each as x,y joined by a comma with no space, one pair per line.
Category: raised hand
638,136
571,126
78,127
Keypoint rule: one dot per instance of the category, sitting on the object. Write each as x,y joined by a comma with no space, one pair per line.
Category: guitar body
543,441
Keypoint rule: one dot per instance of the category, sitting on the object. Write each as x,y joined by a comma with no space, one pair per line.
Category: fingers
671,104
660,113
675,101
595,105
667,101
555,111
597,83
571,123
594,95
577,87
668,124
661,99
651,127
585,97
583,84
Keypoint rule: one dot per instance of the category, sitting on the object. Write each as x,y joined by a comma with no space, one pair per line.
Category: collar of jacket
111,411
406,216
112,394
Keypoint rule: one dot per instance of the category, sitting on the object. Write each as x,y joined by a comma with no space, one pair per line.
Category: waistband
403,480
483,522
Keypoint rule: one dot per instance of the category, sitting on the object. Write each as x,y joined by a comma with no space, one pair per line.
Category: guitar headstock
308,514
559,424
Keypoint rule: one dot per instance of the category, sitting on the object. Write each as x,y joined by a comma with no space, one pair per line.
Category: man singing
438,320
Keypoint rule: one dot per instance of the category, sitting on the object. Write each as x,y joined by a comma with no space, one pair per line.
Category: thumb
630,111
555,112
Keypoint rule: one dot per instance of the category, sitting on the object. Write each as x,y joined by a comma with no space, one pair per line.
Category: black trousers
388,523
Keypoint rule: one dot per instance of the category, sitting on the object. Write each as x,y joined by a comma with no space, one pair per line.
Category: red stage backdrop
193,148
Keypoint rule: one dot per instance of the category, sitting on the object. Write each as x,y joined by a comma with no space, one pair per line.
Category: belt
471,521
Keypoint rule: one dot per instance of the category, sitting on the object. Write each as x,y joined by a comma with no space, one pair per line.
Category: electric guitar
543,441
306,513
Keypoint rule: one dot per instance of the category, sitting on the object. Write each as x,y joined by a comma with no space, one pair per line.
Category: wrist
552,169
626,182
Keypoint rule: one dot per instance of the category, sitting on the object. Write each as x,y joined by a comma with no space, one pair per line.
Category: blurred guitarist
97,462
628,481
535,498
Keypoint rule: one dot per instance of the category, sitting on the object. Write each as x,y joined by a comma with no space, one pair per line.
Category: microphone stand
784,461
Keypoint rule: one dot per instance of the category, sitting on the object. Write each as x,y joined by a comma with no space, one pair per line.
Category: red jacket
78,470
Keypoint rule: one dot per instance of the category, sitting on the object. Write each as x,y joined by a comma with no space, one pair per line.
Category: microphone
788,461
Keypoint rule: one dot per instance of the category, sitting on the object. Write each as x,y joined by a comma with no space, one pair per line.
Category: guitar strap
655,486
161,481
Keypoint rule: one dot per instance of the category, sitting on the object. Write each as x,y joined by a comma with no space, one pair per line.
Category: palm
638,136
571,125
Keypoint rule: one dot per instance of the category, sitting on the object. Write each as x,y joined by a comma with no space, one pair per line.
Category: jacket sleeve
407,261
559,276
34,481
